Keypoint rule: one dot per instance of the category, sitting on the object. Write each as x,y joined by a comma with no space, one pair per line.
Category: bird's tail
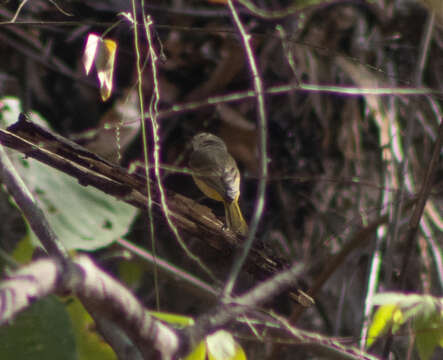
234,218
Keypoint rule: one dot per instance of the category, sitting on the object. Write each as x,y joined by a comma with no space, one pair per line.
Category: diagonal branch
89,169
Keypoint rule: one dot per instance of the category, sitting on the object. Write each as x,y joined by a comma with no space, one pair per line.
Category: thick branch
100,293
90,169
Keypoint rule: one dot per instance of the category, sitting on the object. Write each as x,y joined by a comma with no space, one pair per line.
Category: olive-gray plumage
216,174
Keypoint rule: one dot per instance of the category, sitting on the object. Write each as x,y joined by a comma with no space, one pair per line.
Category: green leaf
82,217
10,109
424,310
43,331
131,272
395,298
23,251
176,320
426,344
89,344
429,333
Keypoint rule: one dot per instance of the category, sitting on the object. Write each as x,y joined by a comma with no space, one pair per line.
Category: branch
101,294
26,203
262,126
90,169
215,320
110,301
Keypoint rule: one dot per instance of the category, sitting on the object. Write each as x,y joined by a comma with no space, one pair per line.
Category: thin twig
260,202
288,88
419,207
172,273
237,306
278,14
153,115
19,9
145,143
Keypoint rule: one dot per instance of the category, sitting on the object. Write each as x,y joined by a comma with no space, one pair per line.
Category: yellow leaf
199,352
102,54
384,318
222,346
104,63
